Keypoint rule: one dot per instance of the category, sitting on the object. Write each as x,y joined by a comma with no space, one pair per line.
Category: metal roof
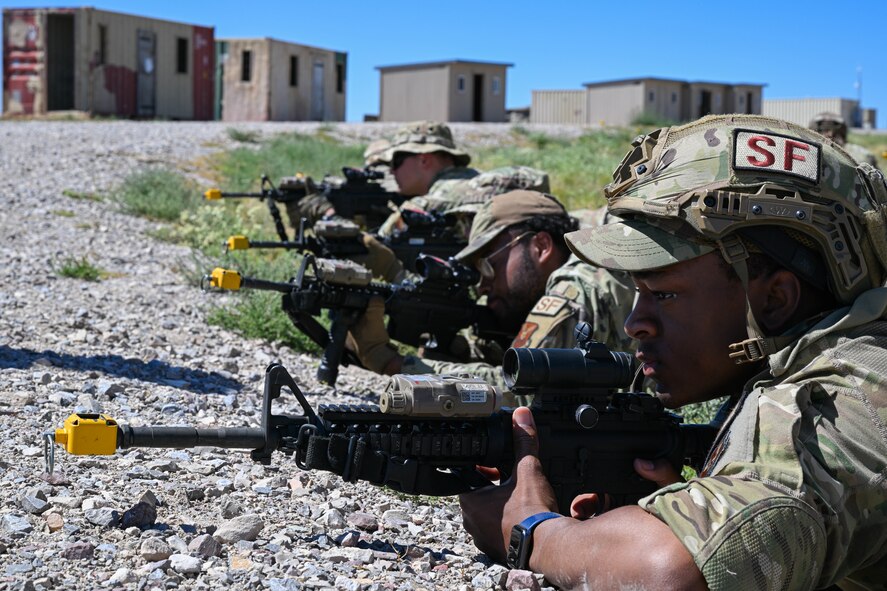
423,65
655,79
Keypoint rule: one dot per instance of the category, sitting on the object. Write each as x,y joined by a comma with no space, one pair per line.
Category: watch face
516,547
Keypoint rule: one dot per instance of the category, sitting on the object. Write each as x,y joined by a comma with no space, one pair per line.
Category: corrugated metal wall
801,111
558,106
411,95
614,105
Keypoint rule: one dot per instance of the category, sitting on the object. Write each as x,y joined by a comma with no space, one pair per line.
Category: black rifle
438,428
430,233
360,195
427,313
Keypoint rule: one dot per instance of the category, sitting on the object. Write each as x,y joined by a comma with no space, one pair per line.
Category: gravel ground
135,346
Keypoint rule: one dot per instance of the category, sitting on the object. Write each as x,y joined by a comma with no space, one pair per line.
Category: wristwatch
521,543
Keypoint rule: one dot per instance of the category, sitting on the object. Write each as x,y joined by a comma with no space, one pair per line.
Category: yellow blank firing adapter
224,279
213,194
238,243
88,434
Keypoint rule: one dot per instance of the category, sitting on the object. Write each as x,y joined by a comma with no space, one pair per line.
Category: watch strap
520,545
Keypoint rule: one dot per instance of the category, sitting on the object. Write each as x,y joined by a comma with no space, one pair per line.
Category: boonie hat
505,210
425,137
375,152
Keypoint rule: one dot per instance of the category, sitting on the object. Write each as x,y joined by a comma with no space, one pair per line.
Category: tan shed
455,90
269,80
108,63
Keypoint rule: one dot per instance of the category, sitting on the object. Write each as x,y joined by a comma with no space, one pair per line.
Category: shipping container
266,79
105,63
802,110
558,106
455,90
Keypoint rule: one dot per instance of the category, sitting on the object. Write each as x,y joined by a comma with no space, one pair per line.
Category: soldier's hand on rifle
370,341
489,513
380,259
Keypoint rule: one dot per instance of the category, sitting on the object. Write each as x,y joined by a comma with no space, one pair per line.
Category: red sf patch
771,152
523,337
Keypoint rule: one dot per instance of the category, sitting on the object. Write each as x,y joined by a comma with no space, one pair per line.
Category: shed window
496,84
103,45
246,66
674,97
294,70
460,83
181,55
340,78
651,96
741,100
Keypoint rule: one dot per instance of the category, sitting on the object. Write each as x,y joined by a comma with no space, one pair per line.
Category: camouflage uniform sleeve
491,374
312,207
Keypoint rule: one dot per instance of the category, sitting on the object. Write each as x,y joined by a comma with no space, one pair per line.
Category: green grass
81,268
156,194
875,143
64,213
652,121
244,136
80,195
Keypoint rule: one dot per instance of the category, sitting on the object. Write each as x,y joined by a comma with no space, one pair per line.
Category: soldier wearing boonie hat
532,285
833,126
758,250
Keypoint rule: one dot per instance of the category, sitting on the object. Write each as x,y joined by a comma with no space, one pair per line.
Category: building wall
558,106
246,100
739,99
614,105
412,95
664,99
801,111
461,107
719,99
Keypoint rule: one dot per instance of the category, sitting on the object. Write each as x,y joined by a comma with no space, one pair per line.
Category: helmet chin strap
756,347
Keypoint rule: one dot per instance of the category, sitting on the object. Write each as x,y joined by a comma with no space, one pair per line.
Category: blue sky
805,48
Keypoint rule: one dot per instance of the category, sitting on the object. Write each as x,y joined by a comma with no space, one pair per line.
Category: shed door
477,104
317,93
147,43
60,62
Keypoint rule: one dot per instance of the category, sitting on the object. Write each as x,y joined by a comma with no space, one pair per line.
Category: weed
156,194
244,136
64,213
81,195
80,269
652,120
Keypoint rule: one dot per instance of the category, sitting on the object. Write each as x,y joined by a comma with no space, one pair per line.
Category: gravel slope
135,346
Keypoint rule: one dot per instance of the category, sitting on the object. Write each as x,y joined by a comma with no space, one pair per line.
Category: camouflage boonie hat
726,182
830,123
481,188
506,210
374,154
425,137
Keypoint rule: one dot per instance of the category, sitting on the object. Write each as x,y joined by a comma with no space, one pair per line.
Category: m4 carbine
361,196
429,432
429,233
427,313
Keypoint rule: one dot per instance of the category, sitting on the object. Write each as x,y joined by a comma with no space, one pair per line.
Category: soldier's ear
543,246
776,299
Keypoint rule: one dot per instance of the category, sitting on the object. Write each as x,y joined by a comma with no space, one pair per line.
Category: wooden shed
106,63
269,80
455,90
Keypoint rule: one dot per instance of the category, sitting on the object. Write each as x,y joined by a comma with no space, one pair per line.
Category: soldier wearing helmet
833,126
758,251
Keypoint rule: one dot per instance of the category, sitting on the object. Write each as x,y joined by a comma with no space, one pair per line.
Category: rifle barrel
187,437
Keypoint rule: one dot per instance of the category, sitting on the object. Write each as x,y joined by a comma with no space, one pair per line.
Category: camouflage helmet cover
425,137
688,190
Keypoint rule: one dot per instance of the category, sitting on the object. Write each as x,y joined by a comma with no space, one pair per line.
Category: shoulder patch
549,305
779,154
523,337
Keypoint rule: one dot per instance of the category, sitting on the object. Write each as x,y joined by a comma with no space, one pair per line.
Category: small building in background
455,90
622,102
802,110
269,80
105,63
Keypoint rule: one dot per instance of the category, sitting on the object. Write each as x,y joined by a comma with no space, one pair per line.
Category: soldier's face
684,319
411,171
517,282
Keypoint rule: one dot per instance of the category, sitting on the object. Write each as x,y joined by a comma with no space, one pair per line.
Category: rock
149,498
187,565
333,519
33,502
395,517
154,549
245,527
141,514
103,517
205,545
231,508
54,522
78,551
108,389
16,524
363,521
521,579
121,576
361,555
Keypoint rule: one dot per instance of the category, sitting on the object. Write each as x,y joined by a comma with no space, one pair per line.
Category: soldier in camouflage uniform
758,250
833,126
534,287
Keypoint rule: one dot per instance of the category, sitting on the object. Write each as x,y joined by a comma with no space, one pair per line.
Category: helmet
831,125
729,183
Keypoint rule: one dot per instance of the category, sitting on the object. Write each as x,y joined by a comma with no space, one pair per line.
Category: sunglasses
398,160
483,263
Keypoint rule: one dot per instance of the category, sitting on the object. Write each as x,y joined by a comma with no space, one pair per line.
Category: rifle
429,432
430,233
428,313
360,195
